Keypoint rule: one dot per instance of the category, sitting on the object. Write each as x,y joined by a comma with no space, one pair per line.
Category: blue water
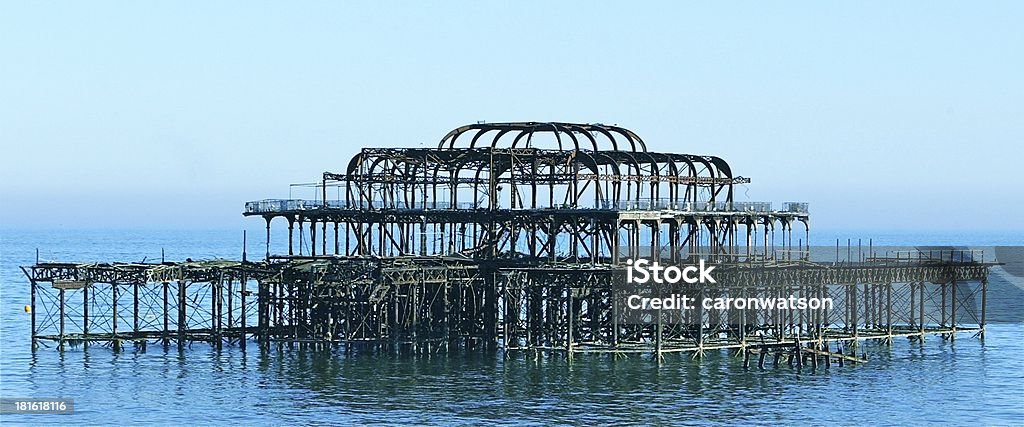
937,382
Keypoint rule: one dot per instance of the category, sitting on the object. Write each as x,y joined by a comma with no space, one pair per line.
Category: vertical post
913,300
888,313
135,309
657,338
568,342
984,301
867,304
942,322
167,314
33,313
291,234
263,310
113,290
85,311
743,323
700,325
853,310
242,337
61,318
952,319
312,237
181,312
216,309
615,317
231,309
807,238
614,241
267,218
920,302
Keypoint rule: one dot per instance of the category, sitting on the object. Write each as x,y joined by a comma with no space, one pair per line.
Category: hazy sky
160,114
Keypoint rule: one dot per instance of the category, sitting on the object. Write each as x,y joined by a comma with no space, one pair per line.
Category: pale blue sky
164,114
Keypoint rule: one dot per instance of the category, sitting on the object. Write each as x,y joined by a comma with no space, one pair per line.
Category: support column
135,310
85,311
291,236
242,338
268,237
167,320
33,313
984,302
61,313
952,319
312,237
181,312
568,342
920,301
113,290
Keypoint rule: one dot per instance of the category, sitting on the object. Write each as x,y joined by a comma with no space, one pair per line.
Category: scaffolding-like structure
517,235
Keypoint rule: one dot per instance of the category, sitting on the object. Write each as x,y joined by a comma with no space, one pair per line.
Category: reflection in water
168,384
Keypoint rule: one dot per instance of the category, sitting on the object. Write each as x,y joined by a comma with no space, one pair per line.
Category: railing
272,206
796,207
707,206
277,206
925,255
293,205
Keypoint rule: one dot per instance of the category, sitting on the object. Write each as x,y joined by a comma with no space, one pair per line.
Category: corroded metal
515,235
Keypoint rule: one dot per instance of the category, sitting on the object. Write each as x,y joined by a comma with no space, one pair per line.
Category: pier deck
433,304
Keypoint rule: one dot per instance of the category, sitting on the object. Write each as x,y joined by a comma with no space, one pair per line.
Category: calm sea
938,382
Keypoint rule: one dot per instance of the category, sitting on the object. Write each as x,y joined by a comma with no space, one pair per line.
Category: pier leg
952,318
268,219
85,314
913,306
61,313
216,294
888,312
135,310
230,303
312,237
32,285
167,314
181,313
942,321
568,342
920,308
113,291
263,312
984,301
657,338
242,337
291,236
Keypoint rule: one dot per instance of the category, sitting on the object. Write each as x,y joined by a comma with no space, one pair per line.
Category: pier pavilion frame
597,196
513,235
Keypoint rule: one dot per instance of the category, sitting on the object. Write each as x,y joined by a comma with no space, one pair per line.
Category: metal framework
515,235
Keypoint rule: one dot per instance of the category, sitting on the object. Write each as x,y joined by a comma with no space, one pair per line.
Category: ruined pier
515,236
